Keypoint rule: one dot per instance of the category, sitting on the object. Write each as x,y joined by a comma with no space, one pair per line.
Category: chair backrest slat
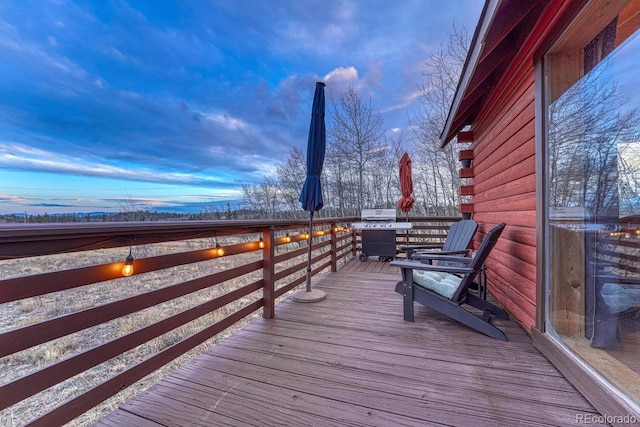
479,259
460,235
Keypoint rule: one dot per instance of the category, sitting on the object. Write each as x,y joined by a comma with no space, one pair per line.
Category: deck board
351,360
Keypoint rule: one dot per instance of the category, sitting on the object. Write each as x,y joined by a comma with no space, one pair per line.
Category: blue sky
172,103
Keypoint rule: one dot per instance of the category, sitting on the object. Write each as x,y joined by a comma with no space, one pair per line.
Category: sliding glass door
592,137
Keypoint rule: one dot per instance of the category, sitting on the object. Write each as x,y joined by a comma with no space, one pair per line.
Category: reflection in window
601,46
593,199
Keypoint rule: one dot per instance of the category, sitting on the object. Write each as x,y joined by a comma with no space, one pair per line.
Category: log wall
504,191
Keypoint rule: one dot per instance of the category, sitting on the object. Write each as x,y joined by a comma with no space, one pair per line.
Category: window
592,102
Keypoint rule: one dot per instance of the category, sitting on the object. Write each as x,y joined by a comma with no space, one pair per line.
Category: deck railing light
218,249
127,268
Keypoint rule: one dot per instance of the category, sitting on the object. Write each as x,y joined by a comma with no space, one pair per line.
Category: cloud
16,156
115,53
340,79
208,94
14,200
49,205
230,123
318,27
342,74
34,57
374,74
407,100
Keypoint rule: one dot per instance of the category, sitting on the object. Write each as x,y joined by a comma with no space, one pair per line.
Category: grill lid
378,215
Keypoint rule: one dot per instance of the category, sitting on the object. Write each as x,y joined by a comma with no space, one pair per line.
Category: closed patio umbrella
406,184
406,187
311,195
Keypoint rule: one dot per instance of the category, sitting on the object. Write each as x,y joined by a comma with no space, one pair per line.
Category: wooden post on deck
334,247
354,242
268,274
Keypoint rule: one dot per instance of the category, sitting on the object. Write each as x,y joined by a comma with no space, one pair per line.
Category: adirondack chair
456,243
613,309
445,288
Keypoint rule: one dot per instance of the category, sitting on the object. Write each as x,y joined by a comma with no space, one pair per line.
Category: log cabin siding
505,191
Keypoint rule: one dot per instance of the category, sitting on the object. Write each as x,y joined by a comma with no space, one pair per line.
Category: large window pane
593,200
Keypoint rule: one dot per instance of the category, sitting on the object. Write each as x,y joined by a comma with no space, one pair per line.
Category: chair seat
444,284
620,298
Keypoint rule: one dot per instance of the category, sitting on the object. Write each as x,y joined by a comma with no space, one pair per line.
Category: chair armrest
621,280
429,246
413,265
413,248
437,257
437,253
601,265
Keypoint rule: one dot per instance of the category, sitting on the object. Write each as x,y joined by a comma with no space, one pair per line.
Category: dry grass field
33,310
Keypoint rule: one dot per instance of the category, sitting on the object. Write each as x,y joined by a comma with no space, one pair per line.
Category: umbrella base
313,295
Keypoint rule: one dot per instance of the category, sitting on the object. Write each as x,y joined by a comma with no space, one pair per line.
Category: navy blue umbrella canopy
311,195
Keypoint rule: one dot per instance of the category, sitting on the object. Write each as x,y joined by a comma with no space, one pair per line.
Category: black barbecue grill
378,233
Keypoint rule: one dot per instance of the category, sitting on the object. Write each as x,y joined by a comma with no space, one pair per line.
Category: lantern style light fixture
261,243
218,249
127,268
287,238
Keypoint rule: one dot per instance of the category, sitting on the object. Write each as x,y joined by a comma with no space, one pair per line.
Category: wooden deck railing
622,248
68,310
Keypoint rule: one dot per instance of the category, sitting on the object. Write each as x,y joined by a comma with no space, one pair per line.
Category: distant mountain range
200,210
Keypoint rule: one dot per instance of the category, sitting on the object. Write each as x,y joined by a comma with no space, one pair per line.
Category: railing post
354,242
334,247
268,273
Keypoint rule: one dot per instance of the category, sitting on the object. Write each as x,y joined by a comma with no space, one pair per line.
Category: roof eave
473,57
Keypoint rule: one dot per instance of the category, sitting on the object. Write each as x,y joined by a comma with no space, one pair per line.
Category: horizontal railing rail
424,230
69,314
621,249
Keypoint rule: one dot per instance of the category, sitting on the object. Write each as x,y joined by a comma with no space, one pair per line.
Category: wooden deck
352,360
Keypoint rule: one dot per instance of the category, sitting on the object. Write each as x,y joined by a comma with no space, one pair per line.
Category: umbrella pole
407,231
309,253
309,295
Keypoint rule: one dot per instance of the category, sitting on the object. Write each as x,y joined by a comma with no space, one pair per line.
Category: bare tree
129,209
291,175
390,171
357,142
334,175
262,198
592,133
437,180
360,167
210,211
